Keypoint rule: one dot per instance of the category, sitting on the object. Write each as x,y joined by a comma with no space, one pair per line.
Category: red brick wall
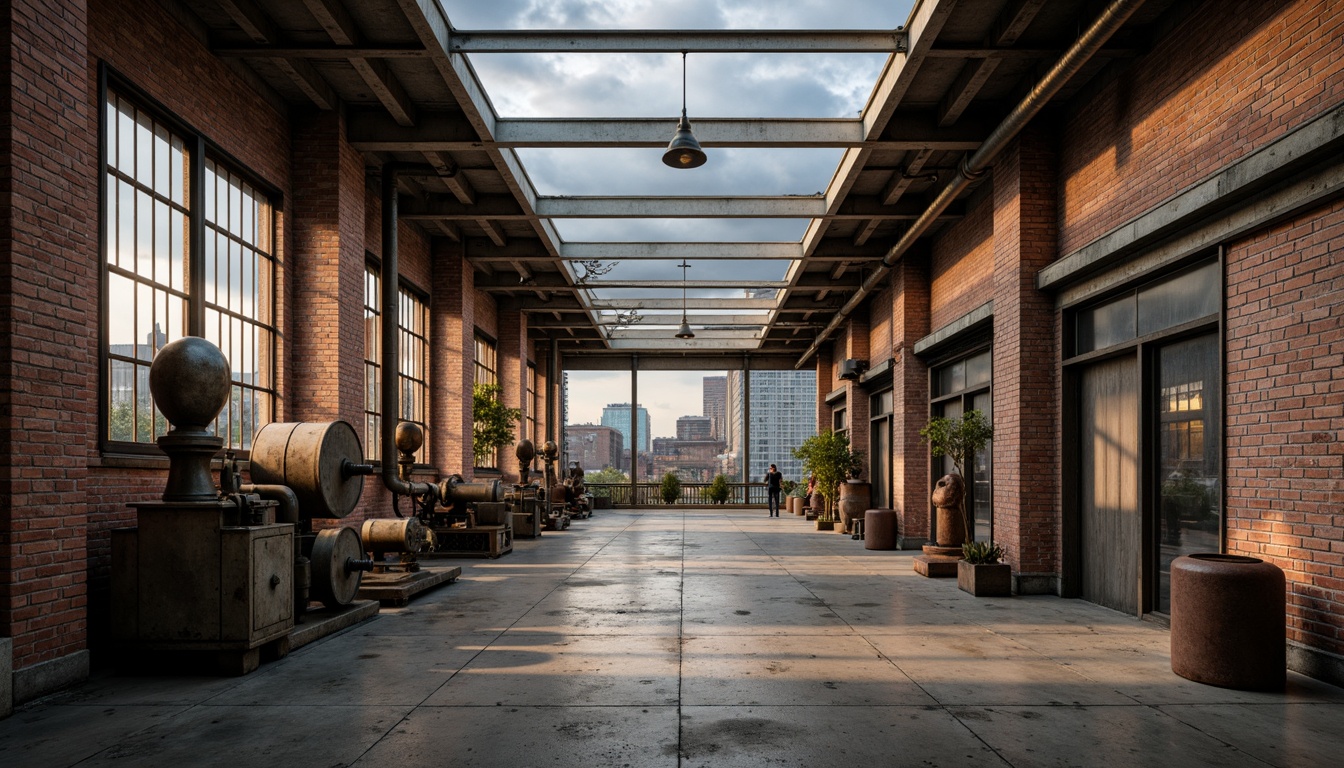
1284,495
49,356
880,326
1026,397
962,266
452,320
910,395
1232,77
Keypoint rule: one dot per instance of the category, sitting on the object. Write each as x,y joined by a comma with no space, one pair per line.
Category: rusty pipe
288,512
390,293
973,167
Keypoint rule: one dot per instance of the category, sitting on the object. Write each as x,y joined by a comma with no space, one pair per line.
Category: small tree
958,439
670,488
492,421
605,475
718,489
827,455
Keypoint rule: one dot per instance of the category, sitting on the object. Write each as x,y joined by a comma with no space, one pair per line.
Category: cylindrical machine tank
385,535
320,461
454,490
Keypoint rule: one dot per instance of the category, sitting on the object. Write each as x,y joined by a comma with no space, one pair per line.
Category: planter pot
825,525
1228,622
854,497
990,580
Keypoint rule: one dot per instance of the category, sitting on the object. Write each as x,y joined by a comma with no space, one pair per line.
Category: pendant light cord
683,87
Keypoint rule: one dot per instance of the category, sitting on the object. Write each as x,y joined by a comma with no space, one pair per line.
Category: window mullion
196,247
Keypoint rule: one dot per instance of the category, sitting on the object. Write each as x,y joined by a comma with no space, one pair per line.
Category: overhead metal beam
505,208
387,88
451,131
728,304
674,344
691,284
677,41
676,251
671,319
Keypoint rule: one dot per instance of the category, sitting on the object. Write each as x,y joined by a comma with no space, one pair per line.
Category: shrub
981,552
718,490
670,488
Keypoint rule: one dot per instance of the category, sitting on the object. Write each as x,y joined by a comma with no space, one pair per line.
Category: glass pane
144,235
144,150
1189,422
180,170
162,244
162,164
178,256
121,400
981,502
1106,325
951,409
977,370
110,137
1179,299
120,315
126,226
110,202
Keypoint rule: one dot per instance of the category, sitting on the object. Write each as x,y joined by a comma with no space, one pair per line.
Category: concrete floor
697,638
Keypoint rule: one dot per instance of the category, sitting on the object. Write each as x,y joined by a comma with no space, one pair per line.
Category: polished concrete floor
697,638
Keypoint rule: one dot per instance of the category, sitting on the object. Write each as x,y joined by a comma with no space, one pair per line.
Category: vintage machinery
526,501
557,512
208,570
577,497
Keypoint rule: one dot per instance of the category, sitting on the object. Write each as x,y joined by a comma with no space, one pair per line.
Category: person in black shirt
774,479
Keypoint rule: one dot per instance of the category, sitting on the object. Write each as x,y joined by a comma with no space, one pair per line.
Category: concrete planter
986,580
825,525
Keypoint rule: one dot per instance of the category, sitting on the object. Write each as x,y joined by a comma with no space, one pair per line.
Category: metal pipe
973,167
391,362
288,511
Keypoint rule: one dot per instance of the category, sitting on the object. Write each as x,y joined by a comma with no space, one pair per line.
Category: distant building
595,447
783,415
694,461
617,416
694,428
716,406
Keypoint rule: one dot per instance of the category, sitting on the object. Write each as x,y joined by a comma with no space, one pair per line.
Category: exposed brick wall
880,326
1232,77
910,395
856,347
962,267
452,322
513,346
1284,496
48,357
825,383
1026,406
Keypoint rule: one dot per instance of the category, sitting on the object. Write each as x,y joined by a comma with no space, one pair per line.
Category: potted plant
492,422
958,439
980,572
670,488
718,489
827,457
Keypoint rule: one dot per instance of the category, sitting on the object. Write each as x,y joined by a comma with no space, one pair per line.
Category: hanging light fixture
684,151
685,332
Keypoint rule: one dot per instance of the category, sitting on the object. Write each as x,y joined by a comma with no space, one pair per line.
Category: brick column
856,398
453,328
513,346
1026,397
49,356
825,380
326,377
910,402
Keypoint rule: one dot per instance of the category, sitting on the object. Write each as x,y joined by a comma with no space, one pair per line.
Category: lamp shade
684,151
684,332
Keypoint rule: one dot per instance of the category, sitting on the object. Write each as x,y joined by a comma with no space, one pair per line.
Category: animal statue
949,496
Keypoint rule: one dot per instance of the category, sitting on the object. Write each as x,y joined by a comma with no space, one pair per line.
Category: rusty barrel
384,535
1228,621
312,458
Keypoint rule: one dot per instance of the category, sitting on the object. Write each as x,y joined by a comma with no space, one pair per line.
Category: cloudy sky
649,85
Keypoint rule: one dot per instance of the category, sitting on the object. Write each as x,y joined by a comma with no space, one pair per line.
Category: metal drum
454,490
318,460
385,535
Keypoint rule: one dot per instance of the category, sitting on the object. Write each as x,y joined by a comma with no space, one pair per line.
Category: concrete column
325,381
452,360
1026,387
50,263
911,485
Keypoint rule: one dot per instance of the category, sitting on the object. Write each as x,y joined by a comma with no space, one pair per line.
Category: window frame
200,151
965,396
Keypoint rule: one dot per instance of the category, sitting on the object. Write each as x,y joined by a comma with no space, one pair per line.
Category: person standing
774,480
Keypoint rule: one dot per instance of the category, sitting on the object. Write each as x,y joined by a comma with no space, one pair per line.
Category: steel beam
677,41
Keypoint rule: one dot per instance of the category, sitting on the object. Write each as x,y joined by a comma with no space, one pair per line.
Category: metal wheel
333,583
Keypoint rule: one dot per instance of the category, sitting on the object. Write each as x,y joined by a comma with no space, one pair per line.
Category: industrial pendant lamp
684,151
684,332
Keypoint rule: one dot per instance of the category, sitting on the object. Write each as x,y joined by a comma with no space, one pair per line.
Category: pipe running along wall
389,284
973,167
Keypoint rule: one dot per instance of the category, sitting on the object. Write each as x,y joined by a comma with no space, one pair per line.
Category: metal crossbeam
677,41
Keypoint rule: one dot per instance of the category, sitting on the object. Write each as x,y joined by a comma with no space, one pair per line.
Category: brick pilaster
910,406
1026,398
452,364
513,346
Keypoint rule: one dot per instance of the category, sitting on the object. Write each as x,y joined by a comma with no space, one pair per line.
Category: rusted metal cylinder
854,498
1228,621
312,458
879,529
385,535
455,490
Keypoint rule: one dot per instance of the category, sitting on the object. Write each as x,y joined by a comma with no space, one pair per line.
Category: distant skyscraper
617,415
783,415
693,428
716,406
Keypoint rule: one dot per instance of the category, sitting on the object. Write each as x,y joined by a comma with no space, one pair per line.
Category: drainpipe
391,362
973,167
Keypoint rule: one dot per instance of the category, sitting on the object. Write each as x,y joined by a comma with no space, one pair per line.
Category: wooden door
1110,527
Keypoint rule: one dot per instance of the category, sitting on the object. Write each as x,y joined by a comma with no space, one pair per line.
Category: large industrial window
959,386
373,366
487,371
412,362
158,288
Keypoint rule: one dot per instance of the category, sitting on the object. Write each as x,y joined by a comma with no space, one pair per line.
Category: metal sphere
190,380
409,437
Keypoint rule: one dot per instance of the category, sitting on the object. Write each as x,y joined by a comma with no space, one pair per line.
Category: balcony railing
692,494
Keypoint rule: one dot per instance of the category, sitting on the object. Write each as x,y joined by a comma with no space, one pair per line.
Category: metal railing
692,494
